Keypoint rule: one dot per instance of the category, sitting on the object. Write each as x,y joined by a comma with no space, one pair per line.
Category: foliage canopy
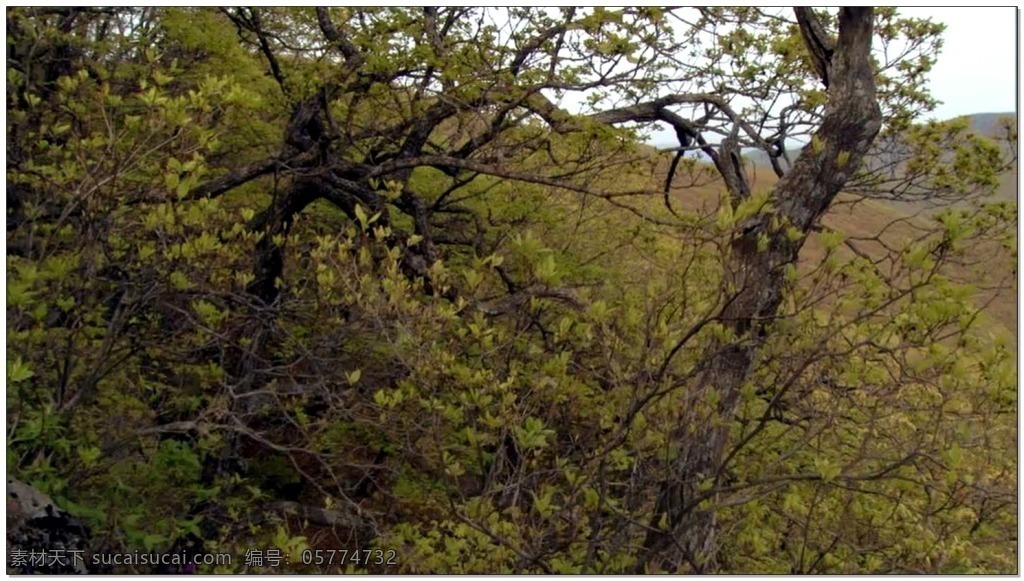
407,279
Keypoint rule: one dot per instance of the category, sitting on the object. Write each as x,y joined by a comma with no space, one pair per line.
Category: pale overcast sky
977,70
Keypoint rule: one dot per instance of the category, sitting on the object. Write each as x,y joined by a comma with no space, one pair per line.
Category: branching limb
252,23
331,32
819,45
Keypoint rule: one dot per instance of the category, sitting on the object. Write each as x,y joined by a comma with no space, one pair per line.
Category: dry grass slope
893,224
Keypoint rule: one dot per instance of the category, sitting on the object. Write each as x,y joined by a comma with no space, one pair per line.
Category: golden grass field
894,224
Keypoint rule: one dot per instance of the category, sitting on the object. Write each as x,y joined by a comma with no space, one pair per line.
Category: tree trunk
683,533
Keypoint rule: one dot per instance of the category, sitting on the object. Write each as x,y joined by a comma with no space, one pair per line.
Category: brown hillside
870,223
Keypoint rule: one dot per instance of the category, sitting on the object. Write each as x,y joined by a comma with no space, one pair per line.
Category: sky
977,70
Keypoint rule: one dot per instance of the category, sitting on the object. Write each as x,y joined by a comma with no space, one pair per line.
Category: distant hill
987,124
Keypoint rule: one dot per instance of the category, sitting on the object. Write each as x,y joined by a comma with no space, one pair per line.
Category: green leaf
827,469
89,455
532,434
361,216
18,370
151,541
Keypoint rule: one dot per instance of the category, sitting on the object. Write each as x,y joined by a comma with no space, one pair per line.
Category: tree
384,232
849,126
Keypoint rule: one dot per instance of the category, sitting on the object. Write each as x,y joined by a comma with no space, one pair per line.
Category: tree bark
851,122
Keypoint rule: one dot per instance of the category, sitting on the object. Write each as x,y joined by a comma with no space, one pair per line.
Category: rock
42,537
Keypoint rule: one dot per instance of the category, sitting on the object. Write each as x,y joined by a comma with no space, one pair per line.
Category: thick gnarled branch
819,45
